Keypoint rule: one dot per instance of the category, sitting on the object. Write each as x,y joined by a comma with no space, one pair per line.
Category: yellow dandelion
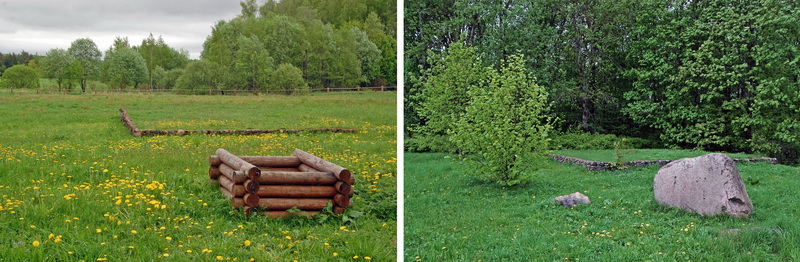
355,257
99,230
134,232
289,237
165,255
247,243
368,258
335,254
36,243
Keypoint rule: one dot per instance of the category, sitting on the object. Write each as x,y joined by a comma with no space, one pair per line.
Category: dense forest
716,75
291,45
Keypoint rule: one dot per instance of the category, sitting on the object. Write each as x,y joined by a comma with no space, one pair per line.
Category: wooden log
237,202
285,214
236,190
251,200
341,200
344,188
128,123
251,186
338,210
236,176
268,131
297,178
263,161
321,164
282,204
297,191
226,193
237,163
287,169
307,168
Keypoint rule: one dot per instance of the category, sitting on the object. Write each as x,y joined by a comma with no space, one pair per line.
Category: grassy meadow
450,216
76,186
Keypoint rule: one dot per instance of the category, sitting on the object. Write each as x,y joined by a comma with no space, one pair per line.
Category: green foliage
444,97
126,67
20,76
85,51
253,65
623,223
289,79
582,141
630,154
331,50
166,79
505,124
201,76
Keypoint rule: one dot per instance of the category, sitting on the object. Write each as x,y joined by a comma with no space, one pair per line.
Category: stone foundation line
598,165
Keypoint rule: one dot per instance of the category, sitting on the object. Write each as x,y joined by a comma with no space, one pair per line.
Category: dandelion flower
335,254
36,243
247,243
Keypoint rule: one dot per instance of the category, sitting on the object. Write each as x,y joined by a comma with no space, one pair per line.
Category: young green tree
202,75
126,68
55,65
252,65
505,125
85,51
20,76
289,78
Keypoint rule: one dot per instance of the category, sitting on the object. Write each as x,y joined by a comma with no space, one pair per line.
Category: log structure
271,185
128,123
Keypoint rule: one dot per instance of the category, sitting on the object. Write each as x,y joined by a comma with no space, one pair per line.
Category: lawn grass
452,217
642,154
75,182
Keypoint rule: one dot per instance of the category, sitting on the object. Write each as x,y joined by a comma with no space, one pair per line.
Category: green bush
587,141
20,76
505,125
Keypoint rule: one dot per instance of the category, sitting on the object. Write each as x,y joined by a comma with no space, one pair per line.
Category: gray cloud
37,26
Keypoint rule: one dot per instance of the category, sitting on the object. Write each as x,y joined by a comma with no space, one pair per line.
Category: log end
341,200
251,200
345,176
251,186
338,210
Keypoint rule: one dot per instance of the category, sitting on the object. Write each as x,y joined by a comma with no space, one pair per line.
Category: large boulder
707,185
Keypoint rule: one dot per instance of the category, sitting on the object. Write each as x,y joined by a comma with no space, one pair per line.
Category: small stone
573,199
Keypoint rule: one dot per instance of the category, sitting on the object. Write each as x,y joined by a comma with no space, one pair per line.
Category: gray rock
708,185
573,199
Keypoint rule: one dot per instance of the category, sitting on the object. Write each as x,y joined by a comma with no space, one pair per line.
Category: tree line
717,75
288,45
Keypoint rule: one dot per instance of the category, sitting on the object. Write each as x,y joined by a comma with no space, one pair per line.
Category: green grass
75,181
642,154
452,217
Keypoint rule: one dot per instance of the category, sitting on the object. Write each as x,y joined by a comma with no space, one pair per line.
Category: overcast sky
37,26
